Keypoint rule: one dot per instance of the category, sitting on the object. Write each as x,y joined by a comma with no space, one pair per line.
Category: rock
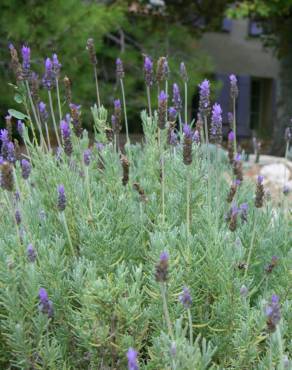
276,173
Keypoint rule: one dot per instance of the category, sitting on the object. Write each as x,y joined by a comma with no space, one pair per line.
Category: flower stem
186,102
188,199
251,247
149,101
59,100
53,118
67,232
34,112
280,344
234,125
48,136
165,309
163,186
125,110
191,326
96,86
88,189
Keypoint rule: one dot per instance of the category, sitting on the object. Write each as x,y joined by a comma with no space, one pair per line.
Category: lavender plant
85,279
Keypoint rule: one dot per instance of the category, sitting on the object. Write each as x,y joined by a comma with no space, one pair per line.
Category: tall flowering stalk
66,135
187,159
86,162
26,74
148,76
177,104
56,72
44,119
186,299
234,95
120,76
48,83
259,199
92,56
61,205
161,276
184,76
204,105
162,117
116,122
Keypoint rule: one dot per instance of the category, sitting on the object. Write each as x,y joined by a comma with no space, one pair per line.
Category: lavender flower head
148,71
48,76
65,129
25,169
31,253
260,179
56,66
43,111
187,131
230,118
162,109
117,104
185,298
176,98
45,306
20,127
132,359
17,217
99,146
87,157
273,313
216,124
172,113
183,72
233,86
4,136
244,211
25,51
119,69
11,157
161,272
204,104
231,136
173,138
61,198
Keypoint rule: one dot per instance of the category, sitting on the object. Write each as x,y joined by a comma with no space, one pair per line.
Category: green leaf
16,114
18,98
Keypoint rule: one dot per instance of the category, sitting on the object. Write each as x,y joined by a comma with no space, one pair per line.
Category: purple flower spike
183,72
25,51
148,71
273,313
65,129
25,169
117,104
43,111
61,198
119,69
31,253
176,99
233,86
66,135
132,359
45,306
172,113
11,152
48,76
204,97
231,136
162,97
216,124
187,131
17,217
260,179
185,298
99,146
164,256
87,157
20,127
4,136
56,66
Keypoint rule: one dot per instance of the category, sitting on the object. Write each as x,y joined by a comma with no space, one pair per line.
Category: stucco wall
236,52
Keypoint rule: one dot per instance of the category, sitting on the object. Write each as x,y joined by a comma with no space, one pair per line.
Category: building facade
238,49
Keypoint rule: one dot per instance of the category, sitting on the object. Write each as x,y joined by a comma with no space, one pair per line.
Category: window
255,104
255,28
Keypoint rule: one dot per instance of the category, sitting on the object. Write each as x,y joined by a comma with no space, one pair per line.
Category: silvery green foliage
178,353
105,295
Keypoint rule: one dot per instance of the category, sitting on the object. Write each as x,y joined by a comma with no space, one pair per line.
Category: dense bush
96,248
